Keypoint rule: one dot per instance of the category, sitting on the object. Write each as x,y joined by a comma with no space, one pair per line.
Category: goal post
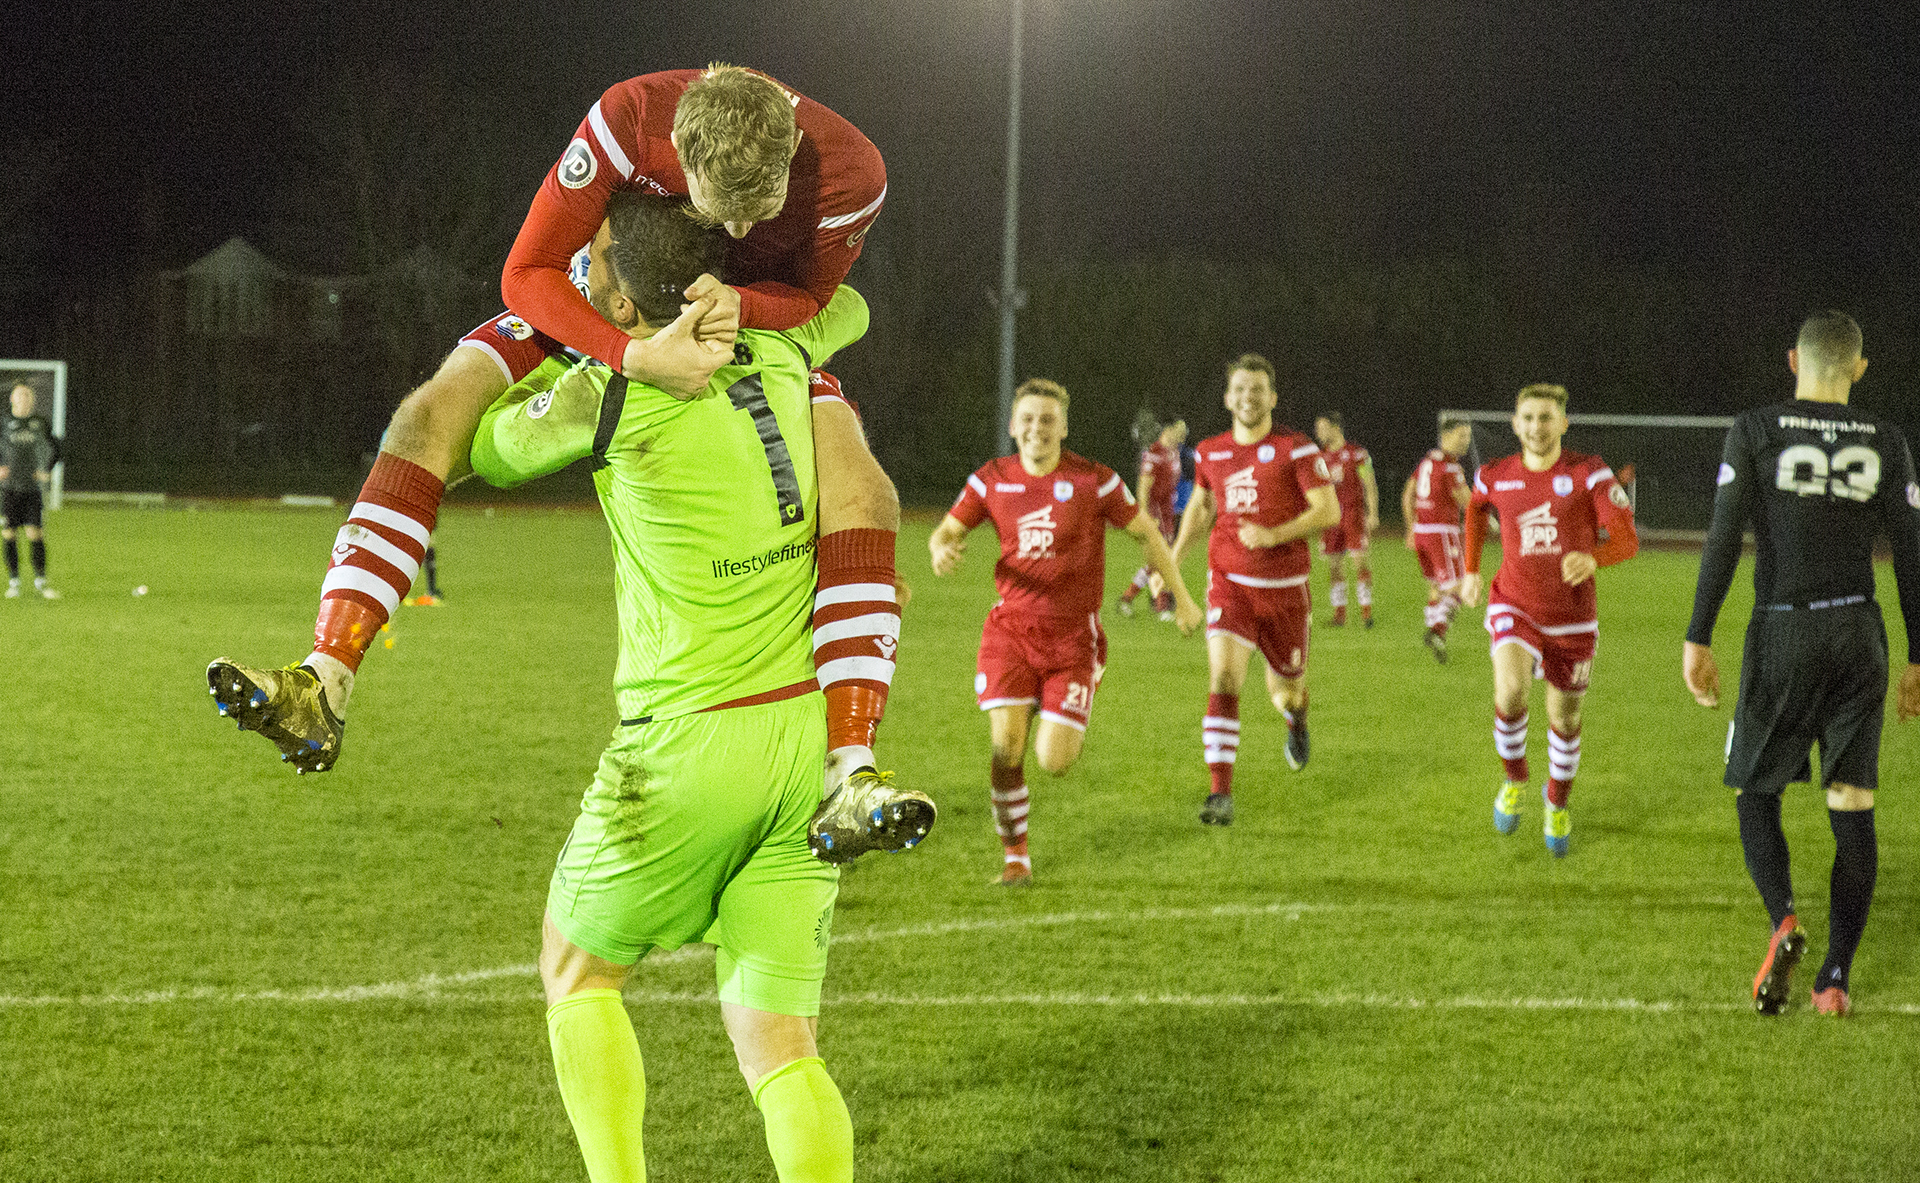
1667,463
49,381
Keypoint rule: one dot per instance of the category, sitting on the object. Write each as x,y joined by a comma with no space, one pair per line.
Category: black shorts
20,507
1810,675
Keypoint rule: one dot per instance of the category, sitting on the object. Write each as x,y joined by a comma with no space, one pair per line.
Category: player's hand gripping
1702,674
721,322
1909,704
1577,566
675,359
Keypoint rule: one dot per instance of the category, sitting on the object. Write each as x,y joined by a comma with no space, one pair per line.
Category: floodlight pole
1012,299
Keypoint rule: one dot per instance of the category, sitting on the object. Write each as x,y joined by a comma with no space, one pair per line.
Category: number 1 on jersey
748,395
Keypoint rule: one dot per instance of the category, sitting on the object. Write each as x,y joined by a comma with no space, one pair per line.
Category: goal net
1667,463
49,382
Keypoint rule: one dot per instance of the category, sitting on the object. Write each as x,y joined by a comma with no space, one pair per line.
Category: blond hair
735,130
1546,390
1043,388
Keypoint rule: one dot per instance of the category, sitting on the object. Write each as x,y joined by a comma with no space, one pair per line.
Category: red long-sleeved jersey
786,268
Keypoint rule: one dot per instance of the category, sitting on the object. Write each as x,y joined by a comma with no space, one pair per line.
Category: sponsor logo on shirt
1063,490
1036,533
1539,531
1562,484
1243,492
1503,486
577,166
754,564
1219,455
1004,487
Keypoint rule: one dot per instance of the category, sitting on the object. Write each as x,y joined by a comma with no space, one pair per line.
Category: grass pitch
213,970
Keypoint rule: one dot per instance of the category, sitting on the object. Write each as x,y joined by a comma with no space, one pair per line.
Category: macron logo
1539,531
1243,492
1036,533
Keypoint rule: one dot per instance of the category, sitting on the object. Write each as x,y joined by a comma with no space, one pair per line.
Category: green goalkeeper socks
597,1061
808,1131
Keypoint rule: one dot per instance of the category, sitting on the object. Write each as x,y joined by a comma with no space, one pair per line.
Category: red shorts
1273,620
1563,655
1441,555
1053,662
1347,538
514,345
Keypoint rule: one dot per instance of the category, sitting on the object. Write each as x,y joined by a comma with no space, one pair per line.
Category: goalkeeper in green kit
696,827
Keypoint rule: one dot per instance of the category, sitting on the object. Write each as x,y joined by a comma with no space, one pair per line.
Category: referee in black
1818,483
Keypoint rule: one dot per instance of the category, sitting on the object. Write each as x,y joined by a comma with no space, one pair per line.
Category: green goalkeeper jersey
711,502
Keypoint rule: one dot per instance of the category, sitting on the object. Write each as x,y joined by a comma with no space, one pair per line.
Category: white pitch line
448,986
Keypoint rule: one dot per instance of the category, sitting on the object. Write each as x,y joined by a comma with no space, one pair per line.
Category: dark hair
657,250
1254,363
1830,343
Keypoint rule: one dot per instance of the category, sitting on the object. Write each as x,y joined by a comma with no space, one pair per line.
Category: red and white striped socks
856,633
1563,761
1440,612
1510,743
1010,805
1220,739
376,555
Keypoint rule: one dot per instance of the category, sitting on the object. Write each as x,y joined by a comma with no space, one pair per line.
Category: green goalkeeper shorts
695,829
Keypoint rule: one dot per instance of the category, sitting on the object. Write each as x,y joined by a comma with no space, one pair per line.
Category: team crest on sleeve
1263,453
578,167
1618,496
1562,484
1063,490
1727,475
513,328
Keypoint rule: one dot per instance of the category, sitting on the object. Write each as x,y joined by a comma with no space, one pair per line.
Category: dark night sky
1207,125
1751,148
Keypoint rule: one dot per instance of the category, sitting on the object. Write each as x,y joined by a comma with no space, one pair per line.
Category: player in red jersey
1542,609
1431,503
1042,644
797,187
1258,492
1159,479
1351,469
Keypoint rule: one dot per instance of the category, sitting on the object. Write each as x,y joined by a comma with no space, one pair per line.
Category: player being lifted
1042,644
1817,481
696,826
1431,503
1542,609
27,454
1258,492
797,187
1159,480
1351,470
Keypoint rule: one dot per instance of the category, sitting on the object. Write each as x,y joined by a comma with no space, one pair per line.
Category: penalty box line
457,986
